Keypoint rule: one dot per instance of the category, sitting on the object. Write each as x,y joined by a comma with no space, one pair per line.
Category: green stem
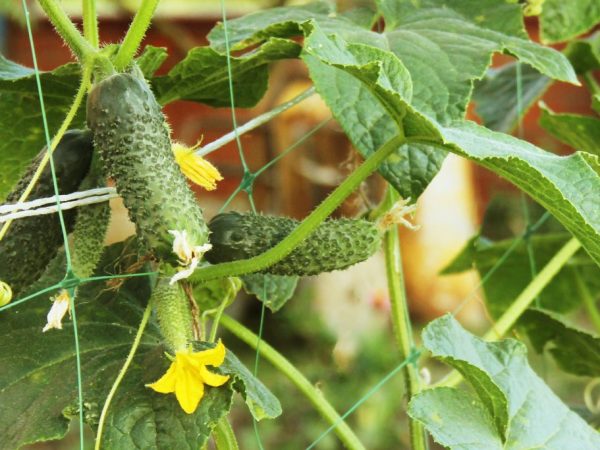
122,372
306,227
522,302
224,436
344,432
82,49
135,34
90,23
401,320
588,301
591,82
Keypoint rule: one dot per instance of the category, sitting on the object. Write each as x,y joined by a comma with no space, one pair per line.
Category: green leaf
576,351
496,96
151,59
38,389
514,274
202,76
596,103
563,20
584,54
580,132
261,402
512,409
209,295
273,290
24,138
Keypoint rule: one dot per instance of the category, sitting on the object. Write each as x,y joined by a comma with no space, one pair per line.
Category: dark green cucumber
133,140
32,242
334,245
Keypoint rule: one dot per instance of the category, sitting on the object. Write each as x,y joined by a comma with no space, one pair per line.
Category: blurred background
336,328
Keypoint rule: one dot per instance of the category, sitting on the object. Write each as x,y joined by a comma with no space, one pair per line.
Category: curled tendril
592,402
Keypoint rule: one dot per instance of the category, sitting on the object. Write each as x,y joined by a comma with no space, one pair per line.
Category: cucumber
133,141
334,245
32,242
174,314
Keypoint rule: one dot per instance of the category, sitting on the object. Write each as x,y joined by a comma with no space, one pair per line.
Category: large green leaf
203,76
575,350
514,274
563,20
443,47
23,137
512,408
496,96
273,290
38,389
580,132
584,54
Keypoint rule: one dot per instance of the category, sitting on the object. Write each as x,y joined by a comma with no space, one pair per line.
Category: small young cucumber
32,242
174,313
334,245
133,141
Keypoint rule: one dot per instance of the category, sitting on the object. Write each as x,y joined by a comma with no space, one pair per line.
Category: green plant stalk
121,375
90,23
135,34
523,301
307,226
591,82
224,436
344,432
82,49
588,301
401,320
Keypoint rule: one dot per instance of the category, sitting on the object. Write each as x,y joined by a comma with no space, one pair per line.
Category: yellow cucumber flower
5,293
188,374
195,167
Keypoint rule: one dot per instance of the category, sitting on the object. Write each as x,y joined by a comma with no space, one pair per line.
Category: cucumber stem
344,432
224,436
401,320
90,23
306,227
135,34
522,302
82,49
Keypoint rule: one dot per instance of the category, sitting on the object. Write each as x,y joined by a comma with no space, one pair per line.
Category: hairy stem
588,301
82,49
122,372
224,436
324,408
135,34
306,227
523,301
401,320
90,23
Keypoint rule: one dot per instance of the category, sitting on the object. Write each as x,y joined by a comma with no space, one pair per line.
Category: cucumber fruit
32,242
174,313
133,141
334,245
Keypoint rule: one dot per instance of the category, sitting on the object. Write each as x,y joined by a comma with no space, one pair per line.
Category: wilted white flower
57,311
189,256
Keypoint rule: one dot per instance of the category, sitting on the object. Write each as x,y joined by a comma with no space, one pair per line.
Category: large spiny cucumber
32,242
334,245
134,144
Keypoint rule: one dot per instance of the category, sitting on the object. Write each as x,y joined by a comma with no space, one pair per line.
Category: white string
72,201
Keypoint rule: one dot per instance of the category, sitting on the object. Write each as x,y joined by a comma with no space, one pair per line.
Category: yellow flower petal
196,168
213,379
166,383
189,389
212,356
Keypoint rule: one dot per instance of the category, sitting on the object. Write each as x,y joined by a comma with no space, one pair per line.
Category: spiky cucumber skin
174,314
133,141
90,227
32,242
334,245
